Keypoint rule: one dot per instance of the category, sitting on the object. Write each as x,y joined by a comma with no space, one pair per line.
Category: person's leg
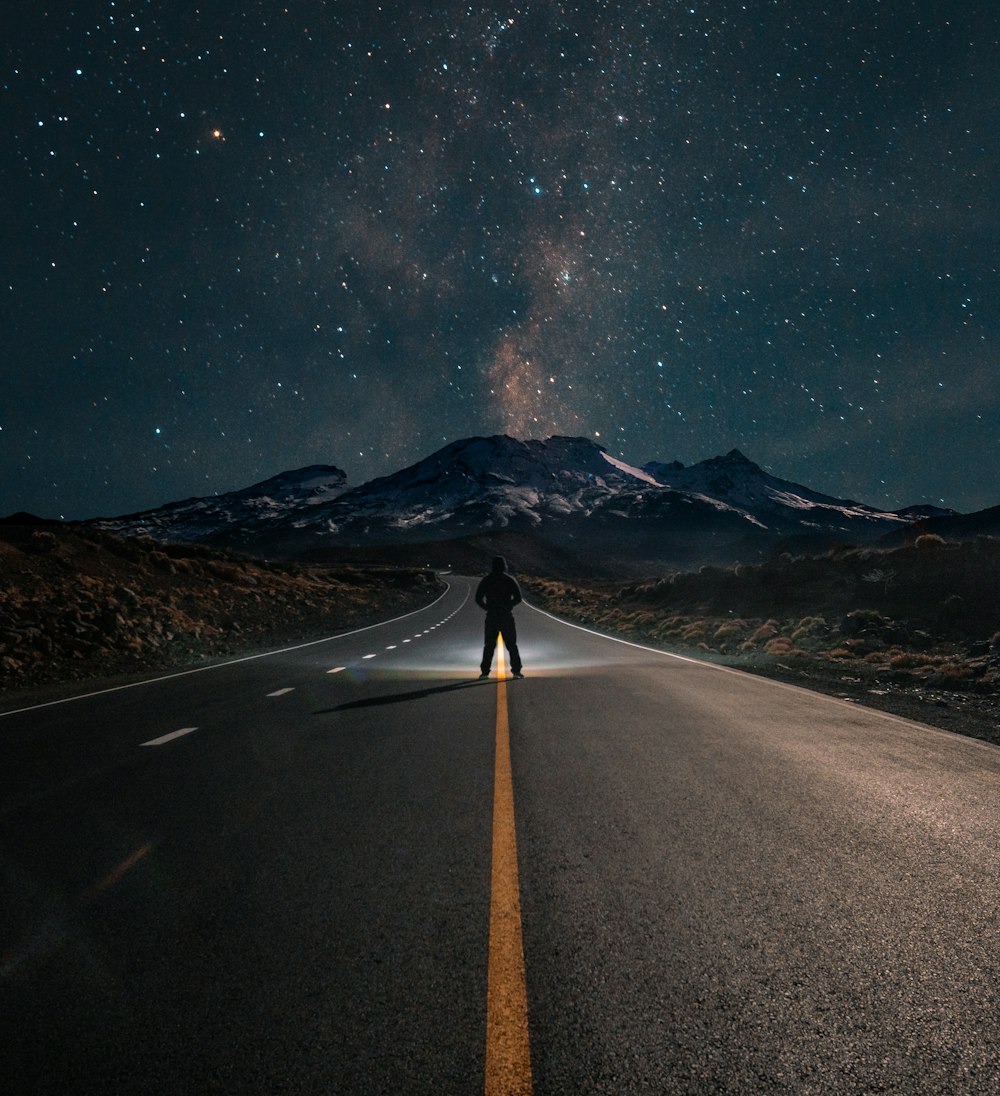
509,632
490,632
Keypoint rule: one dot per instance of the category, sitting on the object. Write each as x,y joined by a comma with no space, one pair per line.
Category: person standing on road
498,593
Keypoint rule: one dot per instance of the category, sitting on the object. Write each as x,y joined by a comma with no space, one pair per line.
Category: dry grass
915,631
930,612
77,603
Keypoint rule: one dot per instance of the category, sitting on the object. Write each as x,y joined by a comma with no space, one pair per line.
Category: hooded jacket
498,592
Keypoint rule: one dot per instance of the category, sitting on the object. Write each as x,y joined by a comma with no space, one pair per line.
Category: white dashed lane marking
289,689
169,737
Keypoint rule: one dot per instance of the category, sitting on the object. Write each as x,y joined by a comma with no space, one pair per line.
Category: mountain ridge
568,492
200,517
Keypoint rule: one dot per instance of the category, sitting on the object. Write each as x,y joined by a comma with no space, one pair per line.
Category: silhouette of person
498,593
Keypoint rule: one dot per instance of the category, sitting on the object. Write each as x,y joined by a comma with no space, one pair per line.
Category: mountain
568,496
487,483
237,517
950,525
782,506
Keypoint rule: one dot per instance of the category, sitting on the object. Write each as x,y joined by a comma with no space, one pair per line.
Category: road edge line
786,685
231,662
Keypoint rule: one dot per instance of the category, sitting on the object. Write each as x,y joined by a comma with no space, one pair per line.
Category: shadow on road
400,698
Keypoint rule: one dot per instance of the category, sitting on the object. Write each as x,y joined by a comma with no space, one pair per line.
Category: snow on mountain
571,489
924,511
236,515
636,473
496,483
778,504
568,491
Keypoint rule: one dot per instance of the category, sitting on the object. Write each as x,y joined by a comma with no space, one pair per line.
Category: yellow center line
508,1055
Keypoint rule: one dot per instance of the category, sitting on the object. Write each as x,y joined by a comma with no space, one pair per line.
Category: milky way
349,233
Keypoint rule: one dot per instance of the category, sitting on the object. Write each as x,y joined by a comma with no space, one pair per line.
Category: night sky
349,233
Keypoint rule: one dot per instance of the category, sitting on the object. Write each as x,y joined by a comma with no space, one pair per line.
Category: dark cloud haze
238,239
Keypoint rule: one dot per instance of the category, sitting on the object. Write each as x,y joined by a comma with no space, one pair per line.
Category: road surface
312,872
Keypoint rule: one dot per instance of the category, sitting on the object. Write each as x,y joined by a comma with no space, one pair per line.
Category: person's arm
480,598
516,598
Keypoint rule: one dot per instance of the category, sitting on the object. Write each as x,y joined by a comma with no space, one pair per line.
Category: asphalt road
727,885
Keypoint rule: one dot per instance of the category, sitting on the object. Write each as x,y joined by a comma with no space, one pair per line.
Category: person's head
499,564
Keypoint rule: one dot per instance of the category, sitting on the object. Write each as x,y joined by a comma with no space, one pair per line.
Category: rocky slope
80,603
236,517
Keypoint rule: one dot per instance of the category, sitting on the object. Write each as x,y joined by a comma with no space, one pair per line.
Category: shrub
226,571
863,620
810,627
879,576
41,542
929,540
765,632
954,671
908,660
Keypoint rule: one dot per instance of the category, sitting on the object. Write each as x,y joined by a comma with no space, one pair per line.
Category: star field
350,233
